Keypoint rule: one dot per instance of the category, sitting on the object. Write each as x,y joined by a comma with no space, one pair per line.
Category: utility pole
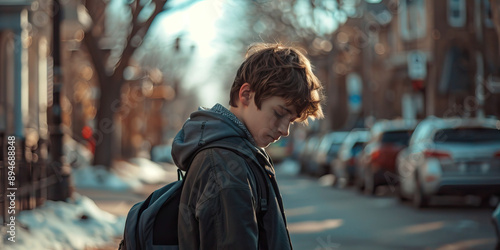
58,170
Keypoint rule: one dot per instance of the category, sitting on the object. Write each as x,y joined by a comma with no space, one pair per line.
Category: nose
284,128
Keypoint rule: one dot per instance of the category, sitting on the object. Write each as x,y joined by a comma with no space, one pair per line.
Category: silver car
326,151
344,165
450,157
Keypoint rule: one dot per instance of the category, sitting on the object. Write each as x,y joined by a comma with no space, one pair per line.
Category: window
412,19
456,13
467,135
456,75
487,14
397,137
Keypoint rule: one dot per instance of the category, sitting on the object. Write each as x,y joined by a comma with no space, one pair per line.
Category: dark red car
378,158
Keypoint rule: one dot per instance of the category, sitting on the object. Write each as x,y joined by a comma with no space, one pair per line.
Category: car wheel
302,169
420,200
401,197
335,182
485,202
370,186
323,170
360,185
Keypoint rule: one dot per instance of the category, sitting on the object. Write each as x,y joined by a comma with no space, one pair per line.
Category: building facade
415,59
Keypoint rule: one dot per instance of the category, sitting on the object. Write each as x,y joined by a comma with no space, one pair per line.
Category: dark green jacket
218,207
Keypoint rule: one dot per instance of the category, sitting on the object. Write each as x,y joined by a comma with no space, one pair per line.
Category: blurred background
407,157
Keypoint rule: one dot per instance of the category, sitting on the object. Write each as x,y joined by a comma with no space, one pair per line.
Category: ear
245,94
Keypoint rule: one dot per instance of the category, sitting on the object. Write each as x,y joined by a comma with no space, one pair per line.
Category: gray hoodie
218,208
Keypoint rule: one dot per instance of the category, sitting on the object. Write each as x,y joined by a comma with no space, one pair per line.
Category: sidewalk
120,202
117,203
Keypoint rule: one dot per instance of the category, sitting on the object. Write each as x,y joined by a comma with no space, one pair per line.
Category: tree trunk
109,104
495,11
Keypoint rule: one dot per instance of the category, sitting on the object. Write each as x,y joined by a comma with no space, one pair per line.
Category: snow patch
76,224
98,177
77,154
124,175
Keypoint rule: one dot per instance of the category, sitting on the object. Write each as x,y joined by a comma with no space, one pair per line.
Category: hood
204,127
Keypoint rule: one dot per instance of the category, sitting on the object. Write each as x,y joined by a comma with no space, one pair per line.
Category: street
322,217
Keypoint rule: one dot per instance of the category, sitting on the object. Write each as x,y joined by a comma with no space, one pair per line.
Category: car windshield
397,137
334,148
358,146
467,135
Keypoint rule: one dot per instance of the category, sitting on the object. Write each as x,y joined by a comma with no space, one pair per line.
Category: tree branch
95,54
96,11
129,49
135,12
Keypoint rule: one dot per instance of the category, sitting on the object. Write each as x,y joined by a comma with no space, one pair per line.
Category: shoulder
222,156
226,167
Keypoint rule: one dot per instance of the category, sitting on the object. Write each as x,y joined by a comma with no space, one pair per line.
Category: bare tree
111,55
300,21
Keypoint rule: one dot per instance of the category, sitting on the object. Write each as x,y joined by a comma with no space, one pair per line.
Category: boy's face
271,122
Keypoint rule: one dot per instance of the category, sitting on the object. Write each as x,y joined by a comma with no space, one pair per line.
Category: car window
397,137
467,135
334,148
358,146
323,145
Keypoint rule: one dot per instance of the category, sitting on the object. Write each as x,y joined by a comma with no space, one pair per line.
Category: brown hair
278,70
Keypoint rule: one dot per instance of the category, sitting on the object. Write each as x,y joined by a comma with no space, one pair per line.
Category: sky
198,21
204,24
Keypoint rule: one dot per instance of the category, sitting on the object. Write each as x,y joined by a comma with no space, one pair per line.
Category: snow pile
147,171
76,154
124,175
77,224
98,177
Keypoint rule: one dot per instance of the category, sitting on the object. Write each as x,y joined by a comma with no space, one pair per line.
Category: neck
237,112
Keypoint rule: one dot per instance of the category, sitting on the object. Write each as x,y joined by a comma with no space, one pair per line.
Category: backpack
152,223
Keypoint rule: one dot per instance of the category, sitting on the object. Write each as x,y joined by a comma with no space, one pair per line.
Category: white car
450,157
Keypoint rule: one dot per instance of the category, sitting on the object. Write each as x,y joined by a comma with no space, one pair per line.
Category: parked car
280,149
495,217
326,151
305,156
378,161
451,157
345,164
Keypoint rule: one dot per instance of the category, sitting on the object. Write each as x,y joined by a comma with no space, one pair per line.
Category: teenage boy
220,205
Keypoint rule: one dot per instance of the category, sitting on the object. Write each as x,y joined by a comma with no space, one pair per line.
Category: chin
264,145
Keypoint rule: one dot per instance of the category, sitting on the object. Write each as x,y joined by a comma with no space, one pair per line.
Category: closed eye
278,115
